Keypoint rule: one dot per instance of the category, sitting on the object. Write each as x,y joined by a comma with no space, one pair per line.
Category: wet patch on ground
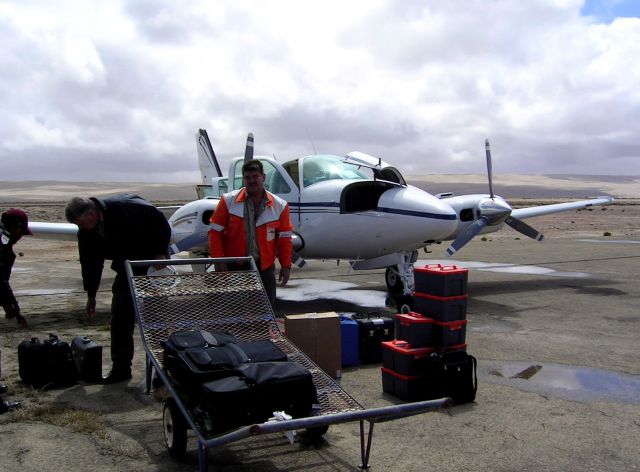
575,383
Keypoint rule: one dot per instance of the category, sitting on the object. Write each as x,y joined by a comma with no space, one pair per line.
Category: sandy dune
509,186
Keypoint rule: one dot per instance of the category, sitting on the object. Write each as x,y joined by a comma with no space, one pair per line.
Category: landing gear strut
399,279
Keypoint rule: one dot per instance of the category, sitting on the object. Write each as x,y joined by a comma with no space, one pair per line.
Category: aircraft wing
529,212
167,211
64,231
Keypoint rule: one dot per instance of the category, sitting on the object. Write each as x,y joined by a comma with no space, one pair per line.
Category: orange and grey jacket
227,237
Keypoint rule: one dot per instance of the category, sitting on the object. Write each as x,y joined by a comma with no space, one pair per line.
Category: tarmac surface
554,326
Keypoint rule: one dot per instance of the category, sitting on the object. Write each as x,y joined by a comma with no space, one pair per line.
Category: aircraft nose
431,218
444,222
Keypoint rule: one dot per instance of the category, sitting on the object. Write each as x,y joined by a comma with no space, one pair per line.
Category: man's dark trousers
123,318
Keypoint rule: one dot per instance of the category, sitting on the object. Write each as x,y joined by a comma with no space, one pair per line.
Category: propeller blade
524,228
298,261
467,235
487,151
248,150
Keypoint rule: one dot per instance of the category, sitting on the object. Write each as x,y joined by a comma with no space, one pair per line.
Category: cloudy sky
116,90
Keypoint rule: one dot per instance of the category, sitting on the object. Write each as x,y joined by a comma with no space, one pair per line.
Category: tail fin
206,158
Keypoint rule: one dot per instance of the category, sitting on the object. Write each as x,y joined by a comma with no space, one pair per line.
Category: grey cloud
164,21
103,166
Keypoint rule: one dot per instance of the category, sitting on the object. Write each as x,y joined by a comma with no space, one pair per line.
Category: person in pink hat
14,224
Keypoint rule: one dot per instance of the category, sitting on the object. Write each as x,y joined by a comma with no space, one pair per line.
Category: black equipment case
87,355
440,374
373,329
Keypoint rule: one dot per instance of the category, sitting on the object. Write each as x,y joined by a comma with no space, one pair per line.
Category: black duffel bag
198,356
47,364
457,377
256,392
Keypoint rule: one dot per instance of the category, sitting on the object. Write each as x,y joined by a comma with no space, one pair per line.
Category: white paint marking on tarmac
302,290
504,268
609,241
44,291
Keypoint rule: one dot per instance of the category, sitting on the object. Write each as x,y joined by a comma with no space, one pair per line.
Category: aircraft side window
293,171
237,175
277,184
274,182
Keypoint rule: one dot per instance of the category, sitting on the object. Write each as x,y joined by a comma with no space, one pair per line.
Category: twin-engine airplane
354,207
359,208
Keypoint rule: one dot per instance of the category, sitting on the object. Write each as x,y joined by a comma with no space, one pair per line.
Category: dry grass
78,421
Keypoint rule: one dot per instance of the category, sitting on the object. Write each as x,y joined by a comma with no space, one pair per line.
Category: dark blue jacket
132,228
7,258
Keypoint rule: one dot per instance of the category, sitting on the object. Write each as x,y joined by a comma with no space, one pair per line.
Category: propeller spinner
492,211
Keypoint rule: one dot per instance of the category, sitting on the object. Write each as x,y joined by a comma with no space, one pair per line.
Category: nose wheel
393,280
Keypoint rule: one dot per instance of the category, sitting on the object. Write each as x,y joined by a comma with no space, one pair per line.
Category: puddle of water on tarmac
504,268
568,382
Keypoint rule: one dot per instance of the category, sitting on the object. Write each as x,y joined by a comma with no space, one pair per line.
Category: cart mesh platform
236,302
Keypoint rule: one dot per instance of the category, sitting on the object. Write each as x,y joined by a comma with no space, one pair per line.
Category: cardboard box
318,336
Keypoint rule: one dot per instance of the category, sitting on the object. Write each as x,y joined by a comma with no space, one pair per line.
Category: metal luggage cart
235,302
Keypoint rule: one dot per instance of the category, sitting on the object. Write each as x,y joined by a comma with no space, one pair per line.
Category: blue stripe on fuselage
322,206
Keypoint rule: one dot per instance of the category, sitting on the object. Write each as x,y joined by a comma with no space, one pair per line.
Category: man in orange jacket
254,222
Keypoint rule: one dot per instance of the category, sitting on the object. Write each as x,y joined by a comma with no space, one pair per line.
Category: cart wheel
175,429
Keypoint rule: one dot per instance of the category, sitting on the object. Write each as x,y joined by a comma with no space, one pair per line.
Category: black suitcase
373,329
88,358
256,392
46,364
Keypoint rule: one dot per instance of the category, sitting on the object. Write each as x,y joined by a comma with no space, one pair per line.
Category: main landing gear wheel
175,429
393,280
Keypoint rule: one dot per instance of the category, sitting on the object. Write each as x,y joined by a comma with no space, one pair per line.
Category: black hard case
444,374
87,355
373,329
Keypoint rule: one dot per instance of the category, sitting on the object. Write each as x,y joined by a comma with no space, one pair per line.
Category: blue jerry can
349,341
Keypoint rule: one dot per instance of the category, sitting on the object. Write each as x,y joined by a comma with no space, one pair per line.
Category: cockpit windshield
324,167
